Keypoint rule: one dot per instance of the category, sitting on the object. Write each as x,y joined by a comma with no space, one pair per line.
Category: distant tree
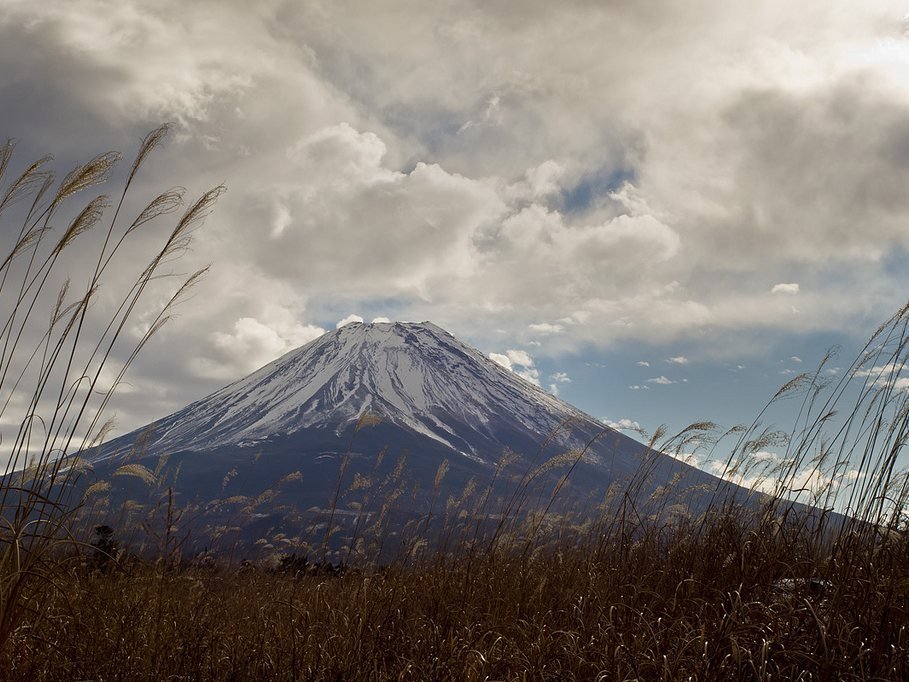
105,546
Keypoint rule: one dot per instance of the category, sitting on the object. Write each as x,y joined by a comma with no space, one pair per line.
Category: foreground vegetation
728,603
636,589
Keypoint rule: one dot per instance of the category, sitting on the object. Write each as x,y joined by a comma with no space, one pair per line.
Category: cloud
348,320
520,362
546,328
543,180
433,216
380,320
764,471
889,375
623,424
501,359
792,288
661,380
642,363
548,189
639,387
796,358
561,378
678,360
765,456
688,458
250,344
348,153
520,357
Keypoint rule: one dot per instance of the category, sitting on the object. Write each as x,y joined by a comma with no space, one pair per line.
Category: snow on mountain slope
416,376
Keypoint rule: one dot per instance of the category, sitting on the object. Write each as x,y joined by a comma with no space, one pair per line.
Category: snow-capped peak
414,375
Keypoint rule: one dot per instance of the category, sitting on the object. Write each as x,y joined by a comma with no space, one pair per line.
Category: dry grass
60,363
711,606
485,586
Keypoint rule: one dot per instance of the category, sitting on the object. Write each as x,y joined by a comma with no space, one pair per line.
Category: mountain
415,376
367,414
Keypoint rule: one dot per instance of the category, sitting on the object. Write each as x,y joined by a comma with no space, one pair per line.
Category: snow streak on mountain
416,376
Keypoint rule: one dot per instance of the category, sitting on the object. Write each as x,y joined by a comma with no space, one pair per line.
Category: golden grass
730,603
496,581
53,355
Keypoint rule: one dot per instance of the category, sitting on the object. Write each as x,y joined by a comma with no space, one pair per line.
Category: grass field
729,594
730,602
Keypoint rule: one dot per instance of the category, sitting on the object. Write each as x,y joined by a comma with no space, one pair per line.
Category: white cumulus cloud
519,362
501,359
348,320
251,343
784,288
661,381
582,197
623,424
546,328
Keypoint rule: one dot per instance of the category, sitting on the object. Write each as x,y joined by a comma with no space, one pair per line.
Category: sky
658,210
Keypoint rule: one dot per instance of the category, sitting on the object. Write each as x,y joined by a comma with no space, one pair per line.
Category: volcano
371,413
